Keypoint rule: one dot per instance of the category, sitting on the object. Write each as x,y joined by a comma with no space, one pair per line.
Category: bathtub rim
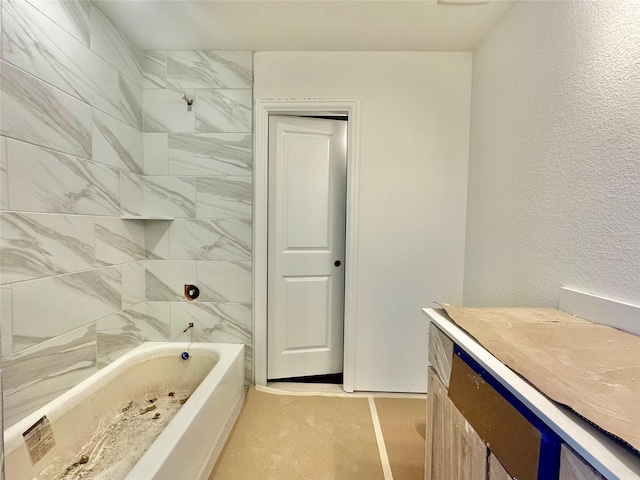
61,405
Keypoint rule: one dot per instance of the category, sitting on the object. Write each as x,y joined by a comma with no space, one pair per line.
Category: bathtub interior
80,412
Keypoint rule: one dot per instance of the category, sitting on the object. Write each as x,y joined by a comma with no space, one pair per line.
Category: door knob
337,263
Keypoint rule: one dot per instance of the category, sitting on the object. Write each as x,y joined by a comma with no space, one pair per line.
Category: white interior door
307,195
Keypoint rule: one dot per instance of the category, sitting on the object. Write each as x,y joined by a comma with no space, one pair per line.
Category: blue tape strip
549,460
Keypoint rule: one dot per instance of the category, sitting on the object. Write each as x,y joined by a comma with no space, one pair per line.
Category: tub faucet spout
190,326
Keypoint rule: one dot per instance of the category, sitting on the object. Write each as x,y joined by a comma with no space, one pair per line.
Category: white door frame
262,111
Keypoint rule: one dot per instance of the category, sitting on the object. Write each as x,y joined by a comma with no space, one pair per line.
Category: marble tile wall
71,163
198,170
93,129
3,293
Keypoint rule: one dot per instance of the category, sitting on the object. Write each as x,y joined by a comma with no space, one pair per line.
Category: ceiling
304,25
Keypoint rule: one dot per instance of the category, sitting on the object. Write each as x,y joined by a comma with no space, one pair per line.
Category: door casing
260,223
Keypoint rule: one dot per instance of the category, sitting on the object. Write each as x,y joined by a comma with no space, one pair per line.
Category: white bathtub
188,446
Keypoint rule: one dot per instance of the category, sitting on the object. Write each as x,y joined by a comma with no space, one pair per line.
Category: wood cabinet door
454,449
496,470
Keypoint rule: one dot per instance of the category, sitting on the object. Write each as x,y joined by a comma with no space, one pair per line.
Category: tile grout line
382,449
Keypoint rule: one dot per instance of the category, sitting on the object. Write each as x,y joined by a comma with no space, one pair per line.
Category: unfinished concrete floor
288,437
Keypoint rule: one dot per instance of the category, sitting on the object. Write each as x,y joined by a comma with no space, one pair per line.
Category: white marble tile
71,15
35,245
116,144
209,69
224,282
131,193
154,69
133,284
225,111
118,334
4,186
165,111
210,239
122,332
40,114
156,237
212,322
111,44
210,154
34,43
48,307
172,196
159,313
48,181
118,241
130,103
224,197
6,320
34,377
156,155
248,364
166,279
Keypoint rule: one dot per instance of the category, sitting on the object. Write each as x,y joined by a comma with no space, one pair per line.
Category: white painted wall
554,174
413,131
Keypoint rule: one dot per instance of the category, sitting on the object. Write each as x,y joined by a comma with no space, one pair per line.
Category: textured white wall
554,175
414,127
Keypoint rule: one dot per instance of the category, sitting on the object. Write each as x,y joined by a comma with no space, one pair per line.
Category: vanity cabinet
454,449
483,422
496,470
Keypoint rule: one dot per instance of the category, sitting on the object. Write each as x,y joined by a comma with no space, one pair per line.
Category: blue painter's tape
549,460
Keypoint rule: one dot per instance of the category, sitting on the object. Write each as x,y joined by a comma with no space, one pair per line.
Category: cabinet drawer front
522,443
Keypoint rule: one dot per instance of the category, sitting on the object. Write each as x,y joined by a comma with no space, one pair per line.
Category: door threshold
328,390
304,388
331,378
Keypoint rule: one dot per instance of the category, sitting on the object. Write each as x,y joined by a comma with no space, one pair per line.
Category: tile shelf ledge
145,217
